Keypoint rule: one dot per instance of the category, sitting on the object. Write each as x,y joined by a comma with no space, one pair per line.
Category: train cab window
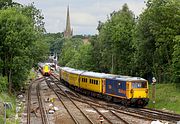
139,85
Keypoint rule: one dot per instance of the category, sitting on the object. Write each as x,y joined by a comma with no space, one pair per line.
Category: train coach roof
72,70
131,79
102,75
125,78
94,74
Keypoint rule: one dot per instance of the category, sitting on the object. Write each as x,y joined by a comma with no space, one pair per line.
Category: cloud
83,19
84,14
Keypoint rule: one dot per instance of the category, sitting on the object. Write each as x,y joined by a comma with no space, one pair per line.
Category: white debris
156,122
89,110
56,108
50,105
20,96
51,111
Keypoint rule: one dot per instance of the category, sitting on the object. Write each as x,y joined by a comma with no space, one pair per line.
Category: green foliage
146,46
21,43
176,60
4,97
35,16
167,97
154,38
15,32
70,46
115,37
82,58
55,41
5,3
96,56
3,84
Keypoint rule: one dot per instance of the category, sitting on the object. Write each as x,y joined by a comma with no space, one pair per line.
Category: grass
10,113
167,97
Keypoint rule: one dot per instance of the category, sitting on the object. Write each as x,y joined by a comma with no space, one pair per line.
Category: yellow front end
139,90
46,69
139,93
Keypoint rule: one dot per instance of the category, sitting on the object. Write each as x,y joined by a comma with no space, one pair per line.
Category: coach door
103,86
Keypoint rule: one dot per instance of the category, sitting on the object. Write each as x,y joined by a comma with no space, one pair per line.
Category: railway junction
48,101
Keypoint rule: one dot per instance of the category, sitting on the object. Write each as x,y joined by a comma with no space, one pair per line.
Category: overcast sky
84,14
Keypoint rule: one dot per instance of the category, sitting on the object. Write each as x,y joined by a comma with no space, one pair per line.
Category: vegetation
167,97
22,45
146,46
10,113
156,32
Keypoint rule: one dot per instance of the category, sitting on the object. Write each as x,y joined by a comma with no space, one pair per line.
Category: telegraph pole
154,91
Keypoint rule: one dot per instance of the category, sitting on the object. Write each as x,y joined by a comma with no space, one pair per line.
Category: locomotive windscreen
139,84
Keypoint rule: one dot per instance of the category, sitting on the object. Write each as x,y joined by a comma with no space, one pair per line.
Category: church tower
68,32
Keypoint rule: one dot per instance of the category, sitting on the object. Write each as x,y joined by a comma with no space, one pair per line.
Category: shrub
3,84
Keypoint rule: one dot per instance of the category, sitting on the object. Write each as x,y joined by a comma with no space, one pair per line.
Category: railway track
109,116
148,114
69,106
34,103
29,104
41,106
159,111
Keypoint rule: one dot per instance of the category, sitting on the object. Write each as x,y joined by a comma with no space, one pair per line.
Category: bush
3,84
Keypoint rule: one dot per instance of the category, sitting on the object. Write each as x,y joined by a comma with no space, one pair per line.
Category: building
68,32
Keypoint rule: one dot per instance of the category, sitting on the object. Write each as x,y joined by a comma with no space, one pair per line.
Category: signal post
153,91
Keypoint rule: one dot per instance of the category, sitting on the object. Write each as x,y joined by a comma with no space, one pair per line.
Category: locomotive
130,91
45,69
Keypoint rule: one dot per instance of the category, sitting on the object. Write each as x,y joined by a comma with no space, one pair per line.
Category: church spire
68,32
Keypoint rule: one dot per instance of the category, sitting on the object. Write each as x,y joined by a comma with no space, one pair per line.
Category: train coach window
96,82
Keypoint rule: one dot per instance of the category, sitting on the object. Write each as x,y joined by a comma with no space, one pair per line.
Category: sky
84,14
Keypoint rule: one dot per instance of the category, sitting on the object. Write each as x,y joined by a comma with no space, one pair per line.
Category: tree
96,54
8,3
176,60
70,46
115,37
82,58
20,41
35,16
156,30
